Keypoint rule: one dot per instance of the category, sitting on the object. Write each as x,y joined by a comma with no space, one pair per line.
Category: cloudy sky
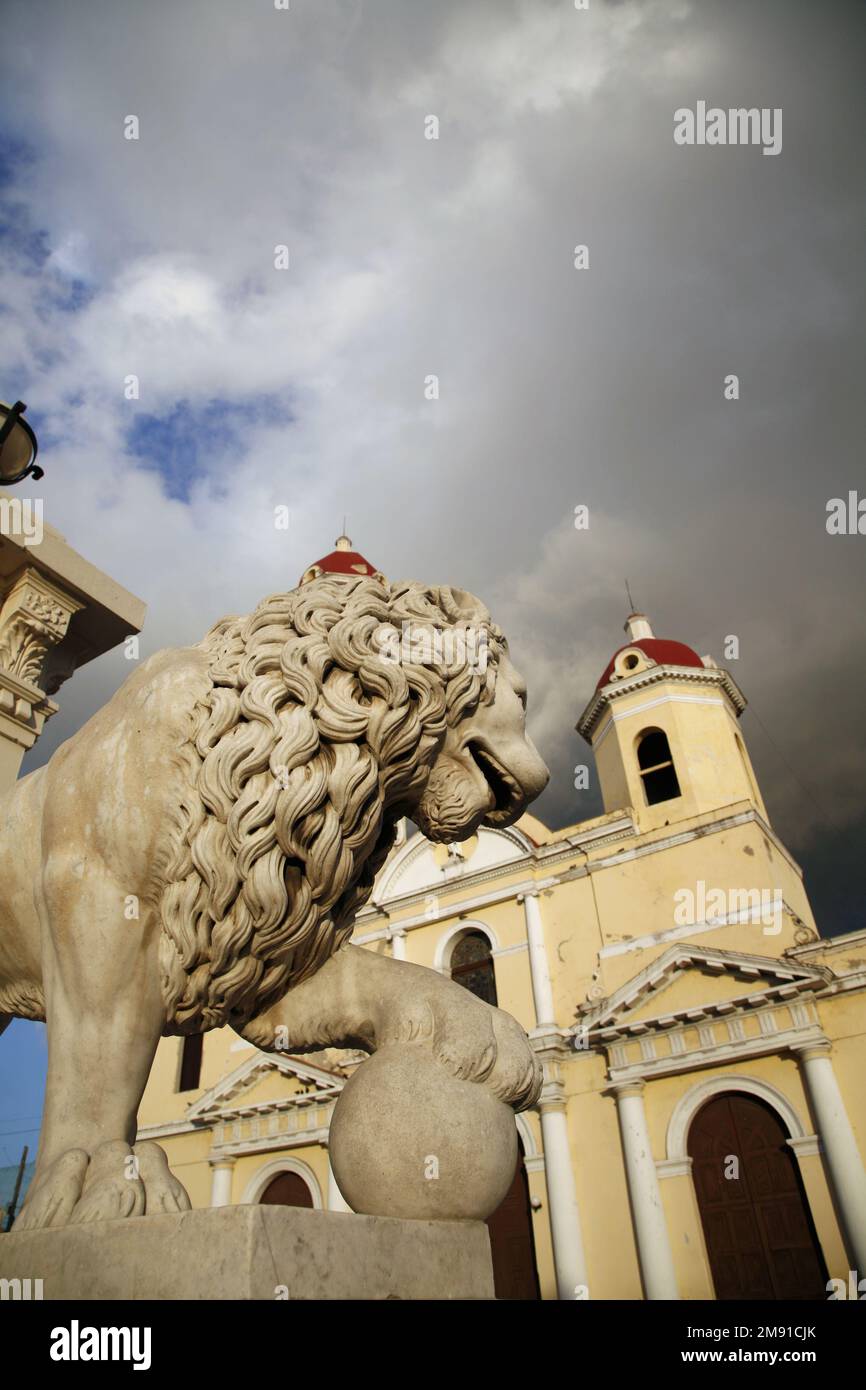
411,257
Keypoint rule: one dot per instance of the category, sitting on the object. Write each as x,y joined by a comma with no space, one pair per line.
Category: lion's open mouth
506,791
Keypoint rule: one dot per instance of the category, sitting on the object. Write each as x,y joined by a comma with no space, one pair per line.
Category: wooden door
759,1232
512,1243
287,1190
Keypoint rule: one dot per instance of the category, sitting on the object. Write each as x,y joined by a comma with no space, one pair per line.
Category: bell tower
664,727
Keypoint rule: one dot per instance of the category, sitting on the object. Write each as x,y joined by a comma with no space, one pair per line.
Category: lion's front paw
112,1188
51,1199
471,1039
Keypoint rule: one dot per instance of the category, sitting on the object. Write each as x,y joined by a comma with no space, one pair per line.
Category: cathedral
702,1125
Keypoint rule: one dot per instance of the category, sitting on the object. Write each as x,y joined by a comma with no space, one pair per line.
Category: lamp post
18,446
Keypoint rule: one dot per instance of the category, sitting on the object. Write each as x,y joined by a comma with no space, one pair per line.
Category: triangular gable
415,866
649,999
246,1077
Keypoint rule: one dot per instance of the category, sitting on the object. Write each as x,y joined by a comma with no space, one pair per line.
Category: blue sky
181,441
23,1064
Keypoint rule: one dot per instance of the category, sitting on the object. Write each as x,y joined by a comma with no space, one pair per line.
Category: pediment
690,983
419,866
266,1078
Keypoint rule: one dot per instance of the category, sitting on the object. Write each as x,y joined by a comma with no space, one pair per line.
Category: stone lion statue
196,854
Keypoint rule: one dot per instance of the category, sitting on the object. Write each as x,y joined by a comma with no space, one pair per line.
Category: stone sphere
408,1139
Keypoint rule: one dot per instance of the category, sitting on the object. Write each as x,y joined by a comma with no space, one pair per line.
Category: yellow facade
664,959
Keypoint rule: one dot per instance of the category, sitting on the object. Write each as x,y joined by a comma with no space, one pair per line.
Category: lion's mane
301,758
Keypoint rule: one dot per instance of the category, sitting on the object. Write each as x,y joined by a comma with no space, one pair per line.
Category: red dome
343,560
661,649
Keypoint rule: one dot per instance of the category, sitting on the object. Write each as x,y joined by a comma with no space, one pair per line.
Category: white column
568,1257
398,944
336,1200
845,1165
221,1182
651,1231
539,969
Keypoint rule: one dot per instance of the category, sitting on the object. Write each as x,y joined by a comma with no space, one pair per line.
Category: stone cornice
830,943
653,675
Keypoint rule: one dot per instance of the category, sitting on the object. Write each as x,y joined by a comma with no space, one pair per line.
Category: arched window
657,770
190,1062
472,966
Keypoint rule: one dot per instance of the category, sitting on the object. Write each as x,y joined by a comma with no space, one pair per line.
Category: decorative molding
269,1125
674,1167
453,909
653,704
653,675
808,1146
554,1044
24,709
263,1176
621,826
714,1033
689,1104
510,950
723,1054
824,944
746,915
446,943
655,845
34,618
419,845
167,1129
446,911
531,1152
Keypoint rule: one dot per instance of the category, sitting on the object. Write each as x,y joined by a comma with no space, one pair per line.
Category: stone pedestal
254,1252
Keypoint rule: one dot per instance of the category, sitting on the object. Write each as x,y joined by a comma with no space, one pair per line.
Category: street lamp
18,446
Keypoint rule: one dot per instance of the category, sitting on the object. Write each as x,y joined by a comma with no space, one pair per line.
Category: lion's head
334,710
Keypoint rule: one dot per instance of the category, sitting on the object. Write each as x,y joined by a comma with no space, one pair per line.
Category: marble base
254,1252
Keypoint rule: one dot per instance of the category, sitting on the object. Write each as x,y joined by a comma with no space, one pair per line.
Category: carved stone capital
34,619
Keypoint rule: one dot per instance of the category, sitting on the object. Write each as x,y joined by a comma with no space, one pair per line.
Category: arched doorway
758,1229
287,1190
512,1243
